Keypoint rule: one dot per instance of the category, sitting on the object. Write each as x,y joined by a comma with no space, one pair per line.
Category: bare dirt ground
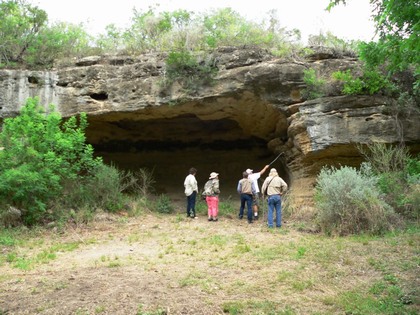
169,264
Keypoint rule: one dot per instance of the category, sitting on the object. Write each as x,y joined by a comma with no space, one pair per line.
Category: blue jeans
191,204
274,202
245,198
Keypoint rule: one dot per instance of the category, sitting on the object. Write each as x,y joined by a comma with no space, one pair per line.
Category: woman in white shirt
191,190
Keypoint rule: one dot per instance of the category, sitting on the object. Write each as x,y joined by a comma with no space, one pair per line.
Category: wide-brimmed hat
213,175
249,171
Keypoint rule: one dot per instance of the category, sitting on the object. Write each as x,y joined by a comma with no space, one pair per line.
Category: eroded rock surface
253,111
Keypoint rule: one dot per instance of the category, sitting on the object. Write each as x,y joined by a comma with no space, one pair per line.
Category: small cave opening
170,147
99,96
33,80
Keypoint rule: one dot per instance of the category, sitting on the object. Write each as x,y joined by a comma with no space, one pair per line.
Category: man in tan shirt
274,187
246,189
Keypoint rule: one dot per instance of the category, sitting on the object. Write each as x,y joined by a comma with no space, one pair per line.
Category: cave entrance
170,167
168,144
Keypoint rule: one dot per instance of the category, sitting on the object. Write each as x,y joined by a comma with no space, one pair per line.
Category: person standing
211,192
246,189
256,197
274,187
191,190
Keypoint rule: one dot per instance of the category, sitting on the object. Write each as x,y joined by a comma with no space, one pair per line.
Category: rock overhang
253,111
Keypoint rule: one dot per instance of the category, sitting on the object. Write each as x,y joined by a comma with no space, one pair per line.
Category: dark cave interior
170,147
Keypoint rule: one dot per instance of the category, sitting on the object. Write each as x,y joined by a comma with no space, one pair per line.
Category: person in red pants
211,192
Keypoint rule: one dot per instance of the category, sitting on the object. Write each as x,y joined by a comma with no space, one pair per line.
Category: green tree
26,38
40,152
112,40
20,23
227,27
147,31
398,26
61,40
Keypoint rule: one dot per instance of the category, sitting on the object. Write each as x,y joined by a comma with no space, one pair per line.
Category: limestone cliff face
253,111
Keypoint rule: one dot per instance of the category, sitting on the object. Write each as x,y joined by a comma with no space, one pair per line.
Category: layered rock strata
253,111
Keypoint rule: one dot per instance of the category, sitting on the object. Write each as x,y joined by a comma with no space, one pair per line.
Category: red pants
213,206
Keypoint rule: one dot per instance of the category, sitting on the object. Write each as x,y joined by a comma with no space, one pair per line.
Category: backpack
208,188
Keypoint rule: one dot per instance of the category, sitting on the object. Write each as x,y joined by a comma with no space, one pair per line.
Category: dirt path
174,265
121,266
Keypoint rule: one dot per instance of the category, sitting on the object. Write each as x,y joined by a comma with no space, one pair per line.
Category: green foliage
391,300
397,22
228,207
39,154
112,41
147,31
7,238
351,85
59,41
28,39
370,82
184,67
349,201
20,23
102,189
158,31
398,176
163,204
384,296
226,27
252,306
339,47
314,84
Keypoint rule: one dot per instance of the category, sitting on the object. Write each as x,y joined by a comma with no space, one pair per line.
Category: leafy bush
314,84
398,176
19,25
226,27
349,201
370,82
338,47
39,154
184,67
163,204
103,189
60,41
28,39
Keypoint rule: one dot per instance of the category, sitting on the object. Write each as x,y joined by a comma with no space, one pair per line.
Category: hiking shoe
250,221
256,217
215,219
210,219
240,217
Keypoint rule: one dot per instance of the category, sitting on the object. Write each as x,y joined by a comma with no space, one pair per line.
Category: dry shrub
349,202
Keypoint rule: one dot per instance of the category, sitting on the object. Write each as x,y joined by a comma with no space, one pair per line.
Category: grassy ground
169,264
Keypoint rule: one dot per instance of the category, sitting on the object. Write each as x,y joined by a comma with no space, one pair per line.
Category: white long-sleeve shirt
190,185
